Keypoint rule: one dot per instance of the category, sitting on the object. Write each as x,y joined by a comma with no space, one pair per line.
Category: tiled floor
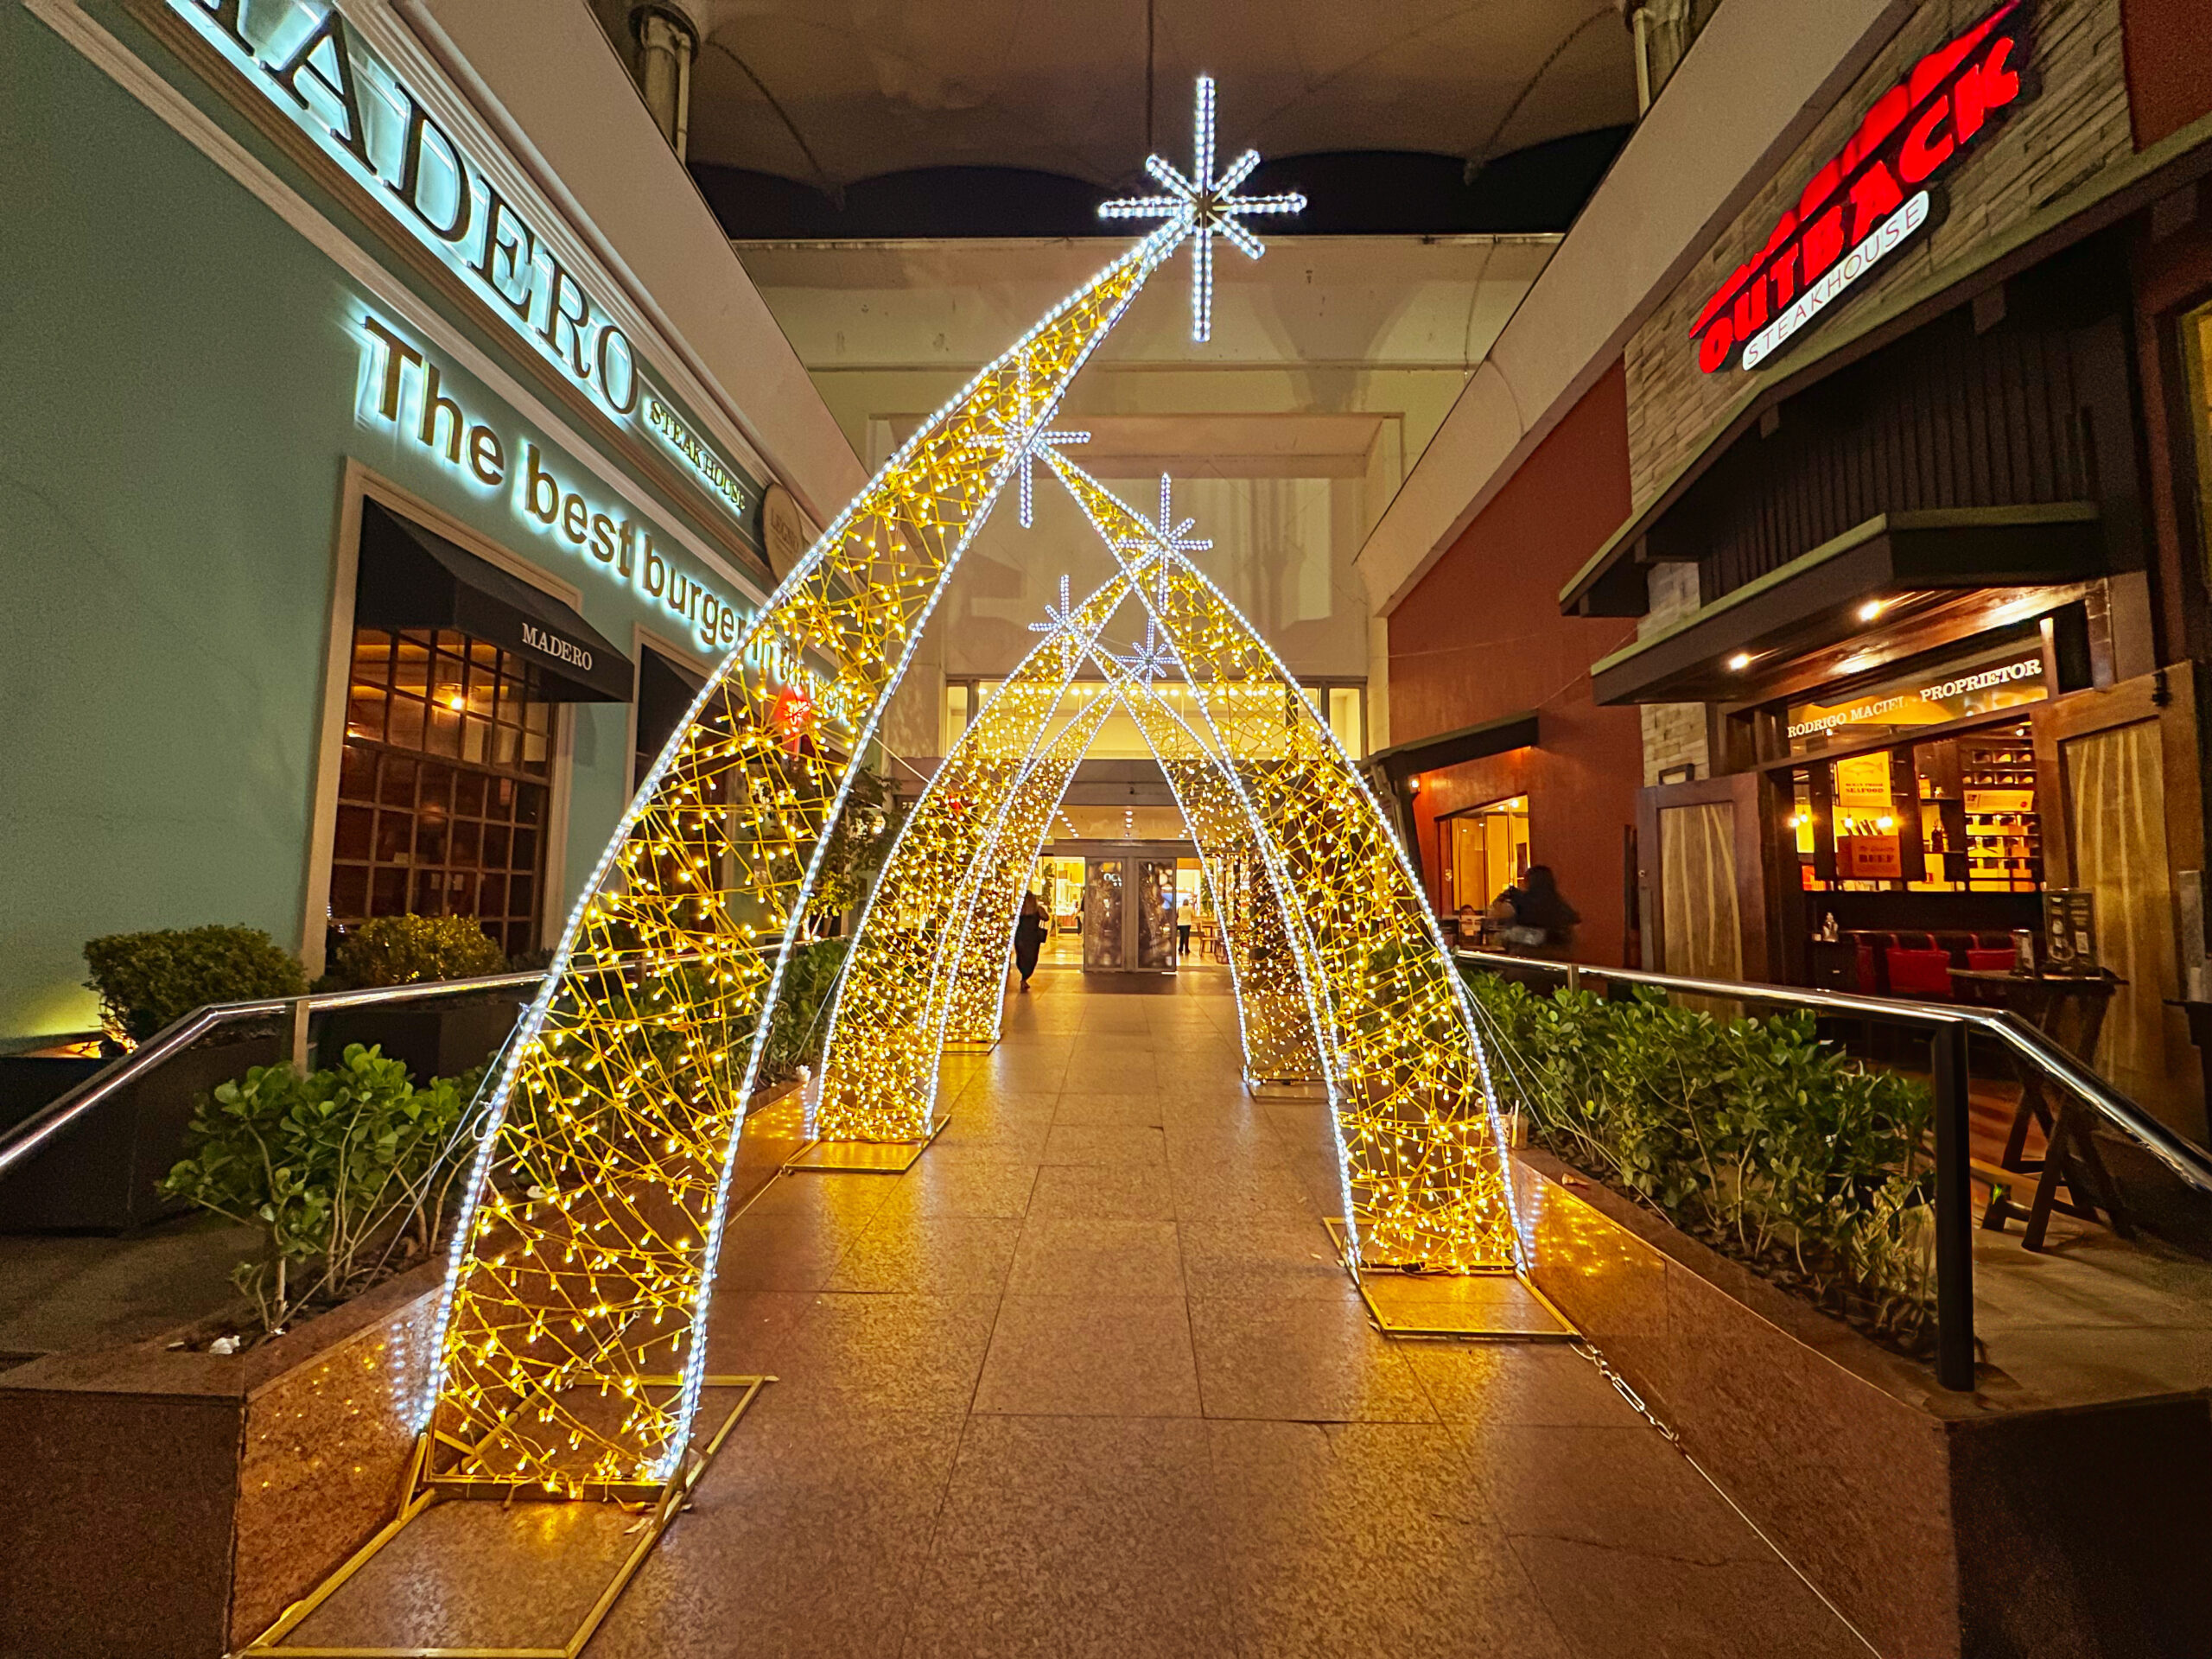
1087,1381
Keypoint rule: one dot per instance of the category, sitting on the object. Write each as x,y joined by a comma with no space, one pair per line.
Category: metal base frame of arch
661,1505
863,1157
1481,1305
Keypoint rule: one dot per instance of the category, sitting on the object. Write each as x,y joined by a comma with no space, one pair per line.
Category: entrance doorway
1129,912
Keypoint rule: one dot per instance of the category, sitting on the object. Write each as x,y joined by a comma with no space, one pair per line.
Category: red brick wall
1481,636
2169,47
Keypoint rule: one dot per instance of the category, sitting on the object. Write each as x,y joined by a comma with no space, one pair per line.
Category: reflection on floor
1087,1381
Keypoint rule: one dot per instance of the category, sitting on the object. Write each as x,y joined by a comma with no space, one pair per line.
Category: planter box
100,1176
169,1505
437,1040
1974,1526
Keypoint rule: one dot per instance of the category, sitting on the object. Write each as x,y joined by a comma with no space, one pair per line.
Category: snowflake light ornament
1056,616
1017,434
1166,532
1203,206
1153,658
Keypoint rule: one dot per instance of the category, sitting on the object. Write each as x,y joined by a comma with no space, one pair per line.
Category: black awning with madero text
412,577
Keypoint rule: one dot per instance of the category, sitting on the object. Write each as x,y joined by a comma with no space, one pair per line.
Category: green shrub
1752,1136
147,980
346,1172
802,1020
406,950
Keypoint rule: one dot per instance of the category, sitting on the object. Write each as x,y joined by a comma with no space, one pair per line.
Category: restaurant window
443,786
2197,353
666,690
1485,852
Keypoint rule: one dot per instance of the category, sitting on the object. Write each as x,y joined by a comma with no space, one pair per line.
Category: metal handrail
58,1116
1949,1024
2191,1162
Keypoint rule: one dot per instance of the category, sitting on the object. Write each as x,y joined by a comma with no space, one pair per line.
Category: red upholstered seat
1993,960
1922,975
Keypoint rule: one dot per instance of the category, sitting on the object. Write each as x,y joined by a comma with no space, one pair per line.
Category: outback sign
1870,198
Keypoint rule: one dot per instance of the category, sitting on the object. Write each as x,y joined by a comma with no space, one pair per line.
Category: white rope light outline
792,608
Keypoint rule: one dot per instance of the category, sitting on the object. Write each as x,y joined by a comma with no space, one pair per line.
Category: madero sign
1855,211
306,62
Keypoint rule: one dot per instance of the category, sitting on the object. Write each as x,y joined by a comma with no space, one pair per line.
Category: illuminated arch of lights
1338,964
570,1333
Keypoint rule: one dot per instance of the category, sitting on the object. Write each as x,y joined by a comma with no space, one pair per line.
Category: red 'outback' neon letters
1853,207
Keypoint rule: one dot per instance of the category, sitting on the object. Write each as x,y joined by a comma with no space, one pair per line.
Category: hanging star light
1018,431
1153,658
1203,207
1056,616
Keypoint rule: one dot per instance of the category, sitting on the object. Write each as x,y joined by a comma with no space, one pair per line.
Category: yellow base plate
863,1157
1499,1305
667,1502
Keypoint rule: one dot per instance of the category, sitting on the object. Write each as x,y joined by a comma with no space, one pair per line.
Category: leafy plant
857,845
404,949
346,1172
1752,1136
801,1025
147,980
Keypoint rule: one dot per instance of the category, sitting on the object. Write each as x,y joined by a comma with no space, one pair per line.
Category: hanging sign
1871,198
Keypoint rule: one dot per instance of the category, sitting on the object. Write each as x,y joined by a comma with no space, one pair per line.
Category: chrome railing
58,1117
1948,1025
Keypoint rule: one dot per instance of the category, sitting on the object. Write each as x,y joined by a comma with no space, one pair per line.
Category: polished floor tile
1064,1356
1089,1380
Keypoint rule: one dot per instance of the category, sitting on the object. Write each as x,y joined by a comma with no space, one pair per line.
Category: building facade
370,517
1910,575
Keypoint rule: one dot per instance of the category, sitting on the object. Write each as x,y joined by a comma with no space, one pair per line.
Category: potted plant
436,1037
105,1174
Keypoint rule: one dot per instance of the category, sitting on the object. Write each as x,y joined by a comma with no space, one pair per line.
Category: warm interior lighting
1870,610
1740,661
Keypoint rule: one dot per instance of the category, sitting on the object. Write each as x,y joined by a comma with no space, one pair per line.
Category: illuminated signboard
310,63
405,390
2003,677
1870,198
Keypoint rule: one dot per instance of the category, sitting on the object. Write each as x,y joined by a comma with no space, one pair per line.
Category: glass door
1154,914
1102,921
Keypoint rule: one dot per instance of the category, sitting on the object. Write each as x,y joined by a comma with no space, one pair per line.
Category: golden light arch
1419,1129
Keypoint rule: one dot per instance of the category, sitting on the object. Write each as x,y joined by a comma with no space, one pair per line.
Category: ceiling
827,92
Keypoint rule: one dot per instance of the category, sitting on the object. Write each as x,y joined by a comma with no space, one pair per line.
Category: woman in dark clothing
1028,937
1537,919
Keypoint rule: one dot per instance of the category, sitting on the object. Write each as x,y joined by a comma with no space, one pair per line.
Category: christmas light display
1418,1122
975,995
885,1031
571,1357
1203,207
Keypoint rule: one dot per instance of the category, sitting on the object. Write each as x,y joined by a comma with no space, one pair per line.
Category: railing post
1954,1359
299,1024
1574,976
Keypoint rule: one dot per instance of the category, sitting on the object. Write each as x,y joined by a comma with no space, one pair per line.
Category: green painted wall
183,374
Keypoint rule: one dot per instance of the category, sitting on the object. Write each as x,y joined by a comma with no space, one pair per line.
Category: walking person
1537,919
1028,937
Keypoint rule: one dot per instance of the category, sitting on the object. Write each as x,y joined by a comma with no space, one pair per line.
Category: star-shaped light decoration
1203,206
1165,532
1018,434
1151,660
1056,616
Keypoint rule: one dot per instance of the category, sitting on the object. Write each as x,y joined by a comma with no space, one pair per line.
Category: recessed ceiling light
1740,661
1870,610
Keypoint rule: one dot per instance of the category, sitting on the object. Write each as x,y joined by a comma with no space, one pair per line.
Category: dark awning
1812,601
1402,761
415,578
